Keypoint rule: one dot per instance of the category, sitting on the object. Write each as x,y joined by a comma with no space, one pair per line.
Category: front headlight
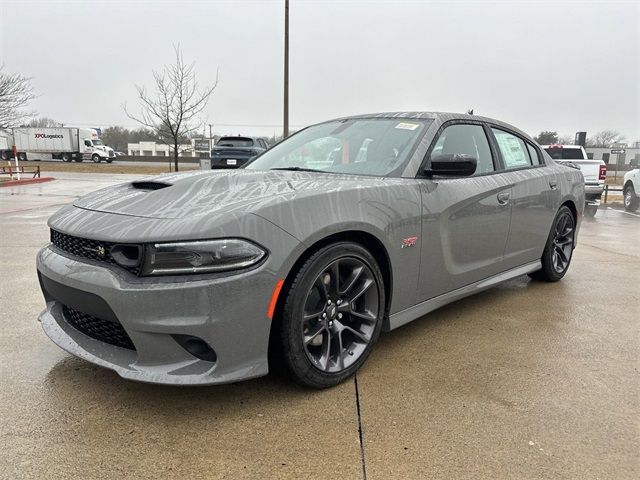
200,257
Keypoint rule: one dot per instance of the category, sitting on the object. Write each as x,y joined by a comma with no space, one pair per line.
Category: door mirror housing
451,165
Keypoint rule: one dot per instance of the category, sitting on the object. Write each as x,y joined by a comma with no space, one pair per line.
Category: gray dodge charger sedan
302,257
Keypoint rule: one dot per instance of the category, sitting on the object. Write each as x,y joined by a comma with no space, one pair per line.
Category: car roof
437,117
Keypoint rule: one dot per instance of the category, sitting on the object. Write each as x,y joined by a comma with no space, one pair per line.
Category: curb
26,181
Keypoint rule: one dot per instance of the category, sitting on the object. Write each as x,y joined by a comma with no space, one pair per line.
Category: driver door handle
503,198
553,184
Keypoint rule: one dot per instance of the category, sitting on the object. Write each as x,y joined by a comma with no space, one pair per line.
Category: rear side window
513,149
533,153
467,140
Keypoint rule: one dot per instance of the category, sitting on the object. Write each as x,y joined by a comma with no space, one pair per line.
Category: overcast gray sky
564,66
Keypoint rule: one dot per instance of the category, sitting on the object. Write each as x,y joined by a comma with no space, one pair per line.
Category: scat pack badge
409,242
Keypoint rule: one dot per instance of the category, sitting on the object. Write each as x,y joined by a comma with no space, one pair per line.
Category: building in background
622,161
196,148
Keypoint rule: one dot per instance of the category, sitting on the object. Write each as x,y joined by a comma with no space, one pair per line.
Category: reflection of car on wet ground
631,190
201,277
233,152
594,172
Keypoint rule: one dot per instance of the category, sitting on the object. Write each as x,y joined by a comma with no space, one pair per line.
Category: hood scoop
149,185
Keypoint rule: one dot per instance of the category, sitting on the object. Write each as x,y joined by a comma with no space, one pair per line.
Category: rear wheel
590,210
66,157
631,200
558,251
332,315
22,156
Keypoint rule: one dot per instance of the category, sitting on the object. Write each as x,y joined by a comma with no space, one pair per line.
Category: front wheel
332,315
558,251
95,158
631,200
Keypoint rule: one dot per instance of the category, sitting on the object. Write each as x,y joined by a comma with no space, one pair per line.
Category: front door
465,221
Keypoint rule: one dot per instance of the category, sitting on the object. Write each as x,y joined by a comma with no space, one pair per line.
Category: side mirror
452,165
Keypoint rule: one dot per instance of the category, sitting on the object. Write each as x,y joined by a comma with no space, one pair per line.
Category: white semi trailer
62,143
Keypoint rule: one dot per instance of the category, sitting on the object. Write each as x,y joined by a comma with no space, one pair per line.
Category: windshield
358,147
97,142
235,142
565,153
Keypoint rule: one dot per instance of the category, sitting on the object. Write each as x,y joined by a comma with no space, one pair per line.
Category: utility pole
285,130
210,138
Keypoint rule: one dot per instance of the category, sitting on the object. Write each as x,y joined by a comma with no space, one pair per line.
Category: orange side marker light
274,298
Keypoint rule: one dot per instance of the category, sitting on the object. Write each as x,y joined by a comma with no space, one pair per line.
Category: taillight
603,172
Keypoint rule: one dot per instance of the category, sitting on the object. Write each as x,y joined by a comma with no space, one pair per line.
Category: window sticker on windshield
407,126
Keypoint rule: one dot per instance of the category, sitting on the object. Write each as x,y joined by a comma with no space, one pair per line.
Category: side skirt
405,316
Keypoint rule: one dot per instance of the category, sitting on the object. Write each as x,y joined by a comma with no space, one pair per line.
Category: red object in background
15,151
603,172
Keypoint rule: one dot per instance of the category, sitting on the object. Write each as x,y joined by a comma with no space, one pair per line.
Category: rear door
465,221
534,196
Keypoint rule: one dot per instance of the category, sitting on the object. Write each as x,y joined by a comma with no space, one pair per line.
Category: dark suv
233,152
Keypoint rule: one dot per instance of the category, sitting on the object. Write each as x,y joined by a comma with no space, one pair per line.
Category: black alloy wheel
332,315
558,251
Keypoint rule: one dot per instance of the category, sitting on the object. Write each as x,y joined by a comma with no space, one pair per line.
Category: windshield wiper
300,169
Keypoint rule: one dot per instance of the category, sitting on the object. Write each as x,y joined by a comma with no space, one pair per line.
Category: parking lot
527,380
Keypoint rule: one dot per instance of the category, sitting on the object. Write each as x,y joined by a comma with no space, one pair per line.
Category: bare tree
605,138
172,111
42,122
566,139
15,92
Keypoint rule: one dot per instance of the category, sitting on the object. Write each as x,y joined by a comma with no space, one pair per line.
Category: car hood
203,193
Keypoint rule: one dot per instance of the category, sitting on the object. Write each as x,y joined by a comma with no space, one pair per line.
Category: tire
110,160
22,156
590,211
347,324
66,157
561,238
4,155
79,159
631,200
96,158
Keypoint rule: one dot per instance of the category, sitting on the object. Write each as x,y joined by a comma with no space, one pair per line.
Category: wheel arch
360,237
572,206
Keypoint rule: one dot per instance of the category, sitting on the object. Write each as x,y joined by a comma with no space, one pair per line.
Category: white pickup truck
593,171
631,190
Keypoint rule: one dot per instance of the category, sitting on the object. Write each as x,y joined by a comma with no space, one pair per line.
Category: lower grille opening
98,329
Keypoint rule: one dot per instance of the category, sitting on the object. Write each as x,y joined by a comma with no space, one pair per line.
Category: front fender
390,211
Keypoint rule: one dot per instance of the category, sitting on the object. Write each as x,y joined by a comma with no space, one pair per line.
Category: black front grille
103,330
85,248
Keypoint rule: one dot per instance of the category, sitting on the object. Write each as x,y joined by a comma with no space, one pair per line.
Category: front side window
87,143
466,140
367,146
513,149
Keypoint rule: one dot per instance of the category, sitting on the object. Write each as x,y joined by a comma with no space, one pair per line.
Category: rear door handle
503,198
553,184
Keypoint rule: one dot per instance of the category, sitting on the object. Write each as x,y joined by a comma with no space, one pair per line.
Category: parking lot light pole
285,130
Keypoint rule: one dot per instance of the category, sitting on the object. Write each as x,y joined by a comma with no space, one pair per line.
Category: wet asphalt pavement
527,380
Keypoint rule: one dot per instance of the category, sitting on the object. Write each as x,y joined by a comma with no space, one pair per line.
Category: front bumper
227,312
